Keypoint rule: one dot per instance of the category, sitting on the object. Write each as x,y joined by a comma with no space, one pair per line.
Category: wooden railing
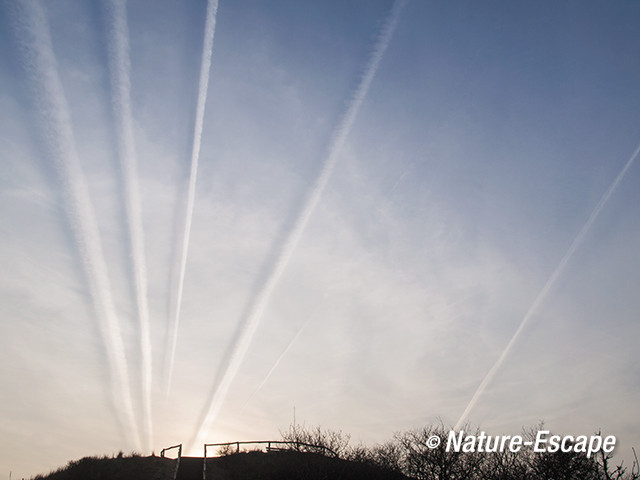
179,447
271,446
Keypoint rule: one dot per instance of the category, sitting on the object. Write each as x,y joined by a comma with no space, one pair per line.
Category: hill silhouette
292,465
255,465
117,468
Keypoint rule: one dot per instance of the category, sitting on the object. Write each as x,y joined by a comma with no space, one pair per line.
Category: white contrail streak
119,69
286,350
547,287
277,362
259,303
53,113
205,67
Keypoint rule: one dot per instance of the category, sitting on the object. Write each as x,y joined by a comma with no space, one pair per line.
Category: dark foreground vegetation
326,455
408,454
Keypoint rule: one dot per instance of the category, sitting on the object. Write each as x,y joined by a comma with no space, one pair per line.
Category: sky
218,218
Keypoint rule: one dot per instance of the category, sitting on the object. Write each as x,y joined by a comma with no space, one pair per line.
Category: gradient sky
482,145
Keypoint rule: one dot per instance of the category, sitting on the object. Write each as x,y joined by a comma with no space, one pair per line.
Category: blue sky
373,299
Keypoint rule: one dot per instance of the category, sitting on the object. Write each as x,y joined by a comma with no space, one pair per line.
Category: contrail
547,287
34,41
286,349
257,306
277,362
205,67
119,69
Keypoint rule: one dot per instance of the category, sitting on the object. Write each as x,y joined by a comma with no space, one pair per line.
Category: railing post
204,463
175,473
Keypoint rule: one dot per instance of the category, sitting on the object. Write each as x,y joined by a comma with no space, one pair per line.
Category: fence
271,446
179,447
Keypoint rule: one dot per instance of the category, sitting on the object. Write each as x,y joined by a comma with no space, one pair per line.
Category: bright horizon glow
256,192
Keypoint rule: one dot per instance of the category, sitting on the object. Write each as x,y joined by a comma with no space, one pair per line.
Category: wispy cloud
120,76
260,298
559,270
53,113
203,87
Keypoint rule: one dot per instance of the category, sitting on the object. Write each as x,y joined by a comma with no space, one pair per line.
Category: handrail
269,444
179,447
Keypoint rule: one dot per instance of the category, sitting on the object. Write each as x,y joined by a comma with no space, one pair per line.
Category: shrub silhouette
408,454
336,442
